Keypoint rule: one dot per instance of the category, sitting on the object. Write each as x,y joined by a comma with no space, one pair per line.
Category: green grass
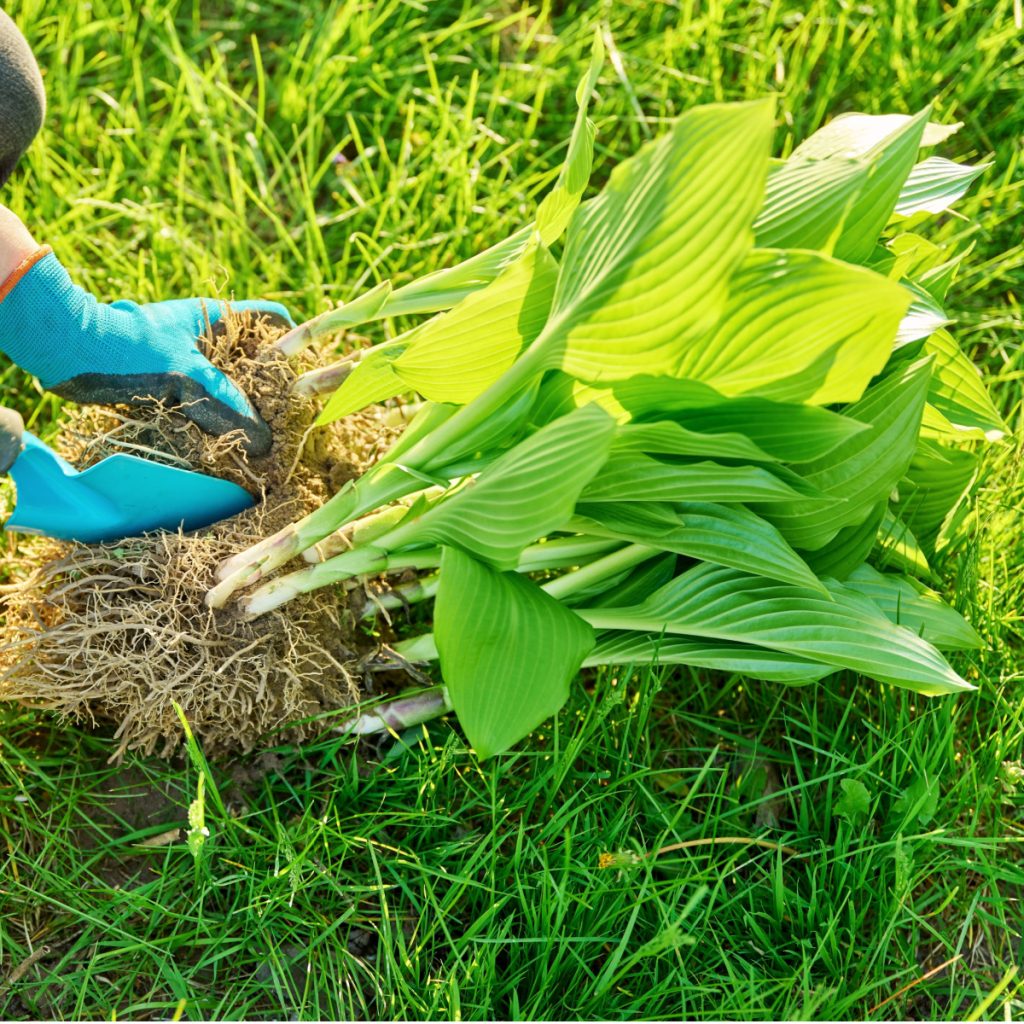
192,149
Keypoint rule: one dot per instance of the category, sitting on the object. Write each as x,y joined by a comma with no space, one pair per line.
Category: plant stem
610,565
399,714
401,595
379,486
556,554
367,561
364,530
372,560
327,379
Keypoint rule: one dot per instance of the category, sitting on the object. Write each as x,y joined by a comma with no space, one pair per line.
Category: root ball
119,632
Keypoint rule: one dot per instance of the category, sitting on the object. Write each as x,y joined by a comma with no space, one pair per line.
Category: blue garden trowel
122,496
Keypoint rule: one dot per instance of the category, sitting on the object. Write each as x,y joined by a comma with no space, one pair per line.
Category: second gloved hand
122,352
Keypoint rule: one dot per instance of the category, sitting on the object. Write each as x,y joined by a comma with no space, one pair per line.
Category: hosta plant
715,416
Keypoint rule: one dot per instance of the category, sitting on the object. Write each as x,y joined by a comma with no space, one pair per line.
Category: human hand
123,352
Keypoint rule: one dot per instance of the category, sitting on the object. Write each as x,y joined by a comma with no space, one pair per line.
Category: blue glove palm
124,353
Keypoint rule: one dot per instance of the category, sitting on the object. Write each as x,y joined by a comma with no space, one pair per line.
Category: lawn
604,870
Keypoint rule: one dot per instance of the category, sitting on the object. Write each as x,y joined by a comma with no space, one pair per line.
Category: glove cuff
22,269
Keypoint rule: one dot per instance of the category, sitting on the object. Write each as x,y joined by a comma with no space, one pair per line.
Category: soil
119,632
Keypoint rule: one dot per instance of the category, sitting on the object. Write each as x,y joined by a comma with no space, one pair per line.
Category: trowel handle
11,428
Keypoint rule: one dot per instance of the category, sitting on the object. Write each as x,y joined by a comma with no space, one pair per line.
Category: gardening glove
11,428
124,353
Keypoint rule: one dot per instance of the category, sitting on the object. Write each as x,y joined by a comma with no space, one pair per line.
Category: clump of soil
118,632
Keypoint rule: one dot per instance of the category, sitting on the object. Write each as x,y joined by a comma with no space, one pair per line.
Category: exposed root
118,632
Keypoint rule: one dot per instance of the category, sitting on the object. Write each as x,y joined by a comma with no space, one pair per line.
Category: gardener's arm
93,352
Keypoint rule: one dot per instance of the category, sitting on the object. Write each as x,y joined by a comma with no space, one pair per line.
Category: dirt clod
118,632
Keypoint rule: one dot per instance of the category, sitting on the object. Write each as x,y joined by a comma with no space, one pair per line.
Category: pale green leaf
890,144
508,651
445,288
924,316
892,160
910,604
806,203
847,631
849,547
459,354
723,534
865,468
373,380
632,476
456,355
958,392
630,648
854,134
561,202
647,263
668,438
526,493
799,327
935,184
935,481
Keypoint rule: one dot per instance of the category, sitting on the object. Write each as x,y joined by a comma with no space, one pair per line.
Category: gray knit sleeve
22,99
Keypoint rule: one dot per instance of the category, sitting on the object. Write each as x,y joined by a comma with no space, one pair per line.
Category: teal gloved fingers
11,429
123,352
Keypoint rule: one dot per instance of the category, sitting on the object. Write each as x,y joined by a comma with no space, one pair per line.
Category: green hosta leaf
957,392
790,433
910,604
647,263
444,289
890,144
864,469
508,651
628,648
906,255
935,184
428,418
456,356
924,317
847,631
898,548
526,493
937,279
849,548
632,476
643,580
854,134
668,438
373,380
431,294
806,203
935,481
892,161
723,534
497,432
799,327
561,202
360,310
